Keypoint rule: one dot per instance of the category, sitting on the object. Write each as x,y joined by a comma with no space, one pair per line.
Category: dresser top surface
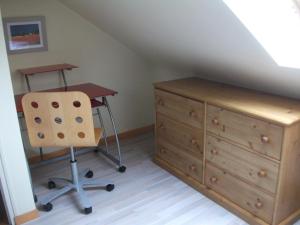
281,110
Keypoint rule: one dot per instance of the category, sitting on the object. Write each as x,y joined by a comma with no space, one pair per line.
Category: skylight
275,24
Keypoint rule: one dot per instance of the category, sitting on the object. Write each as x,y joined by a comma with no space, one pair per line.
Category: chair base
78,183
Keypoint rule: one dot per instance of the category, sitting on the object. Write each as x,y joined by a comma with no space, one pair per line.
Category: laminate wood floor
144,195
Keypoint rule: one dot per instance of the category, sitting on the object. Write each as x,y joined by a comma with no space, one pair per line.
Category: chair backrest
59,119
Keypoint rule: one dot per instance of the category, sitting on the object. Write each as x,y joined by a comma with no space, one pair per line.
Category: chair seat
98,135
95,103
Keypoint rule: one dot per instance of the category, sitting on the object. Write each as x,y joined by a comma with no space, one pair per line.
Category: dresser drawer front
246,165
180,109
242,194
258,135
189,139
189,165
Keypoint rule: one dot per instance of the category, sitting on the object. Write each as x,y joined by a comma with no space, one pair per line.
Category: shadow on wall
274,80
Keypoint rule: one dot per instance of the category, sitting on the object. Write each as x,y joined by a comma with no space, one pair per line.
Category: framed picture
25,34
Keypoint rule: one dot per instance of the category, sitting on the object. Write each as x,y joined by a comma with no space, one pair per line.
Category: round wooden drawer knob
193,168
194,142
215,121
161,126
160,102
192,113
262,173
162,150
258,205
213,179
214,152
265,139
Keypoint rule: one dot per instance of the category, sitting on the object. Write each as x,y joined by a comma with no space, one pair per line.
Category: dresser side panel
288,190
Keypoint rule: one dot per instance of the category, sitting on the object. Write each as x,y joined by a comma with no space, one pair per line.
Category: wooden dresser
239,147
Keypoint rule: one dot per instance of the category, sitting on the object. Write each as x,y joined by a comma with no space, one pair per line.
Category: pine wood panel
180,109
189,165
244,195
288,199
218,198
246,165
257,135
187,138
280,110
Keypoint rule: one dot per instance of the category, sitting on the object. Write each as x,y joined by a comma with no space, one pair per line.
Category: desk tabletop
92,90
46,69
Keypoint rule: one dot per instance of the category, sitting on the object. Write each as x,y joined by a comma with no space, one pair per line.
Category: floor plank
145,194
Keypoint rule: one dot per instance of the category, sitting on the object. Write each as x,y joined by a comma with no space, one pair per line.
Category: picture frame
25,34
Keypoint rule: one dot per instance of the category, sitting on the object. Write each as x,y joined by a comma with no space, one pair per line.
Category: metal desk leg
27,83
102,125
41,154
62,73
121,168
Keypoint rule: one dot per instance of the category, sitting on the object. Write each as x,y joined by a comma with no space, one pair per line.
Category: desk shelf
46,69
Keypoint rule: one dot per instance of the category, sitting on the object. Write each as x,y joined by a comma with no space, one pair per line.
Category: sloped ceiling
190,31
203,35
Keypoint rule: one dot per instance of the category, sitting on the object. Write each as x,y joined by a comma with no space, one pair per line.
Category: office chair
64,119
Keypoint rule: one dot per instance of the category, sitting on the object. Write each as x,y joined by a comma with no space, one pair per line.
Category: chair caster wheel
110,187
89,174
48,207
88,210
51,184
122,169
35,198
96,150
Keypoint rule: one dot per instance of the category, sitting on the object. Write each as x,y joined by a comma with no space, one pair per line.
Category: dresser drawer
258,135
189,139
180,109
249,166
189,165
242,194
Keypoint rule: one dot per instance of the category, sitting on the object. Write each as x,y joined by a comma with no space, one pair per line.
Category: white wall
163,72
11,149
101,59
204,36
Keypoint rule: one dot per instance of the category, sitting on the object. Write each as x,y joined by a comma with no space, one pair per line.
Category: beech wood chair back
59,119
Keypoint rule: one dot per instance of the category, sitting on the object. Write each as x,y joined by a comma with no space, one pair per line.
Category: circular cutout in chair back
34,105
76,104
55,105
79,119
61,135
81,135
58,120
38,120
41,135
